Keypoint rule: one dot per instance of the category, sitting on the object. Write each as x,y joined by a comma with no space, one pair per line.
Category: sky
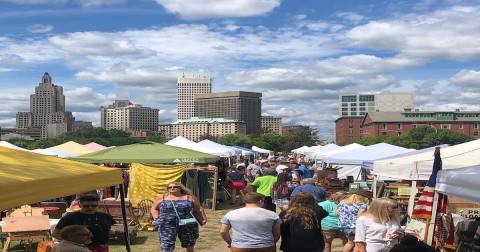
300,54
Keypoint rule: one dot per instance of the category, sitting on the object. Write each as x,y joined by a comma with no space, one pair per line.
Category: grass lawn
209,241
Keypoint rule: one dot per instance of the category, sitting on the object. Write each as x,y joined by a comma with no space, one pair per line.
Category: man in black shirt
98,223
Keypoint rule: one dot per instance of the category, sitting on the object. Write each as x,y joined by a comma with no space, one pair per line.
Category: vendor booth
27,177
72,147
419,166
260,150
95,146
318,149
325,153
154,165
222,148
351,161
191,145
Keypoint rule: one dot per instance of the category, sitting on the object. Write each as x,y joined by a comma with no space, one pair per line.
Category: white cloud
199,9
351,17
468,79
452,33
85,99
40,28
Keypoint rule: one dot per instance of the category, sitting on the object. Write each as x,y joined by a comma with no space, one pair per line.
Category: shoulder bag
186,221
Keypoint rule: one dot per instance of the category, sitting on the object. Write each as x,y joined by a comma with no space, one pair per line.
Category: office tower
47,110
187,88
235,105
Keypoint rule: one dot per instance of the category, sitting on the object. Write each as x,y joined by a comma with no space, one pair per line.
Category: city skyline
301,57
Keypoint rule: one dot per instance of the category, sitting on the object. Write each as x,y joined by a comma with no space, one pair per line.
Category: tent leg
431,227
374,186
411,200
215,189
124,218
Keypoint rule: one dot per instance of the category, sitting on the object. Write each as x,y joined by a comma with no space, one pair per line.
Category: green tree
299,137
235,139
419,138
270,141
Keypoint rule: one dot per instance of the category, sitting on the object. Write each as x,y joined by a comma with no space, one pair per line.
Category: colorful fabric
348,214
149,181
423,207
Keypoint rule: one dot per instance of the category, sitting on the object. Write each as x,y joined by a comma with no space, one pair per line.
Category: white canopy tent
369,164
319,149
301,149
372,152
350,147
210,144
245,151
419,166
191,145
461,182
263,151
11,146
53,153
351,161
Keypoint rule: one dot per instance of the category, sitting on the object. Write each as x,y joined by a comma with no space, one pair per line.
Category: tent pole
374,186
431,226
124,218
215,188
411,200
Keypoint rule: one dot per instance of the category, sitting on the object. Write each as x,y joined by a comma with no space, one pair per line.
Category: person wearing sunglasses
178,213
98,223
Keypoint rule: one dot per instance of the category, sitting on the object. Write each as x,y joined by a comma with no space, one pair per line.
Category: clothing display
149,181
200,183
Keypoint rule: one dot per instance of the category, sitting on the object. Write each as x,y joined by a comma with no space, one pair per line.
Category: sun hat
364,193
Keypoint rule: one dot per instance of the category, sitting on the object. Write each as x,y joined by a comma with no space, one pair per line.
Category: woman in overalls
170,209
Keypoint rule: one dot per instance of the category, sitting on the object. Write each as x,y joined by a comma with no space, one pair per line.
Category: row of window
443,126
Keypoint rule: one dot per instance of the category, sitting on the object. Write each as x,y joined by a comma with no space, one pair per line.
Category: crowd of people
282,201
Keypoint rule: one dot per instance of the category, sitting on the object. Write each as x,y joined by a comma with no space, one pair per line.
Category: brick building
348,128
398,123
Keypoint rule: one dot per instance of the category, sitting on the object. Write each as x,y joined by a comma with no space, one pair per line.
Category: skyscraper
235,105
187,88
47,110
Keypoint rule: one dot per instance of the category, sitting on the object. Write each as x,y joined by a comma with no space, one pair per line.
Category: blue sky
300,54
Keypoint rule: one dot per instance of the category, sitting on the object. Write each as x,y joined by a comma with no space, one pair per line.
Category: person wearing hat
348,210
308,186
236,182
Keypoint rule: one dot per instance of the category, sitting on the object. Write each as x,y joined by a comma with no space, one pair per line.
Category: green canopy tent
148,153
